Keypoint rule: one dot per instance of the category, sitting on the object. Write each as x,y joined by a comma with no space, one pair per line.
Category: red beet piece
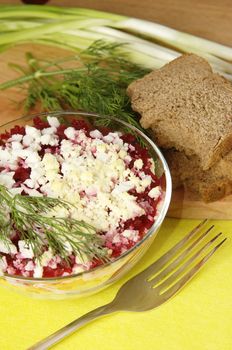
22,174
95,263
5,136
104,130
60,132
40,124
128,138
17,130
80,124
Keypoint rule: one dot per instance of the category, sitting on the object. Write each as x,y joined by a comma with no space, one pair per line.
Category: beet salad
107,176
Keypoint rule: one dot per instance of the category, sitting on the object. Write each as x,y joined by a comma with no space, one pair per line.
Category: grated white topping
90,172
25,250
155,192
8,248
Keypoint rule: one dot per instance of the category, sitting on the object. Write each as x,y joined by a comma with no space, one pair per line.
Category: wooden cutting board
184,206
181,206
10,98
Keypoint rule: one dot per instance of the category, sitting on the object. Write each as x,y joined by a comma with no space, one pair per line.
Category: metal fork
153,286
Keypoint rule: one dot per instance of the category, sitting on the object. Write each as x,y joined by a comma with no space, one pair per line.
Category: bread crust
188,107
208,185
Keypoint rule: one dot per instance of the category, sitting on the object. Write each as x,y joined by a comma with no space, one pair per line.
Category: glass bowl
89,282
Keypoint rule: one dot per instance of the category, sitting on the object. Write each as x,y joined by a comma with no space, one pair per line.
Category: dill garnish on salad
72,196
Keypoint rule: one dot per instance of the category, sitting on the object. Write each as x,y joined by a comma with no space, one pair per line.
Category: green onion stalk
77,28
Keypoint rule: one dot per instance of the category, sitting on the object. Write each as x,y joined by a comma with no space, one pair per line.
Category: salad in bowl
81,199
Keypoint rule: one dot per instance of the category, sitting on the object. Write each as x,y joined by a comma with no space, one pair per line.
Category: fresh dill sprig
97,83
29,217
4,216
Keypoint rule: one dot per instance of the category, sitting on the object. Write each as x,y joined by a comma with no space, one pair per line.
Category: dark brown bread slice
209,191
188,107
182,167
209,185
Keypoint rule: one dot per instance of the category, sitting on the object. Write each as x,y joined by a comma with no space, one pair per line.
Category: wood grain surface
209,19
10,99
186,207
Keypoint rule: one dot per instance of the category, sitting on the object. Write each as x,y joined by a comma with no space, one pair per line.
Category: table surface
200,316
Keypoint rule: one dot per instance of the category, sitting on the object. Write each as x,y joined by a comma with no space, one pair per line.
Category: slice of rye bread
188,107
208,185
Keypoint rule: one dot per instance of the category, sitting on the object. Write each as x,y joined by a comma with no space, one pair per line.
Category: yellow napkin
198,318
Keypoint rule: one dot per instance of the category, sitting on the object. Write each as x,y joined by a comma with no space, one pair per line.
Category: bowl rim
152,229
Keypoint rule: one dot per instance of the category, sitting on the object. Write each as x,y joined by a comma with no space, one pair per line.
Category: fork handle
56,337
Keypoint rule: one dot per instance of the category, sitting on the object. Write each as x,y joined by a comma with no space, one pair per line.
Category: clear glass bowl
89,282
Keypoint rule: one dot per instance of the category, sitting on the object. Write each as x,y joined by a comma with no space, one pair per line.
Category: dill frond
28,216
96,84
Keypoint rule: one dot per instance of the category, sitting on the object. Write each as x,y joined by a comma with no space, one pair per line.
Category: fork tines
174,269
